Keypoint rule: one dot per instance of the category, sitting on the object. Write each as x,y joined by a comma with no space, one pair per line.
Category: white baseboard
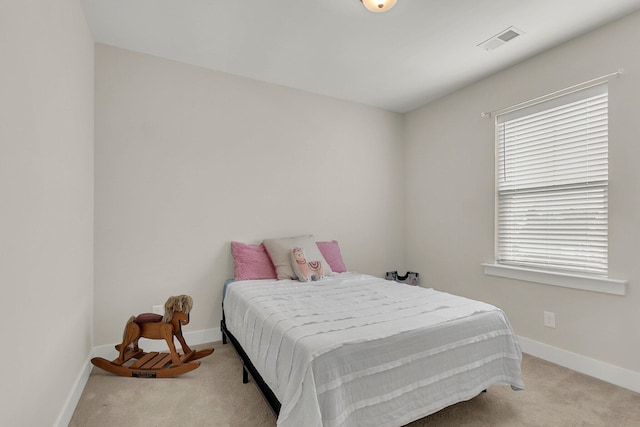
74,397
604,371
109,352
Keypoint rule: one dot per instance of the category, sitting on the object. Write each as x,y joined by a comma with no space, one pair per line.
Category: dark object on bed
411,278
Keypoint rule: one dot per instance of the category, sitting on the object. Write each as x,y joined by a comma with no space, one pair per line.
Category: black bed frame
248,368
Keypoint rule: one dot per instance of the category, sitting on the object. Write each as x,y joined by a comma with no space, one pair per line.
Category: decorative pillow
331,252
304,269
279,251
251,262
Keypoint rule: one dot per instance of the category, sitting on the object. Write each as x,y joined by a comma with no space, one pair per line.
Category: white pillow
279,251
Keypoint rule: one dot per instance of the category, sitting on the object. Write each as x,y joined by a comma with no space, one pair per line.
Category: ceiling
398,60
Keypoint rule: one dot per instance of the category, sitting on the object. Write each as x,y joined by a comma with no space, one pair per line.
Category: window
552,184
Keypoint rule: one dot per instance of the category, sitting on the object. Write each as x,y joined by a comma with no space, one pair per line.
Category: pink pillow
251,262
331,253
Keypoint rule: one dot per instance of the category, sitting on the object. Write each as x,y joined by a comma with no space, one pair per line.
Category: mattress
354,350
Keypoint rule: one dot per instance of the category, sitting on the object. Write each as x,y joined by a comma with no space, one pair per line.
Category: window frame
550,276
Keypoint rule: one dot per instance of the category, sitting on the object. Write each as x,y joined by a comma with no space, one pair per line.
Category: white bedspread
356,350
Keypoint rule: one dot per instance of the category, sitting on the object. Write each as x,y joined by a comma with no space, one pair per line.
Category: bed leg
245,375
224,337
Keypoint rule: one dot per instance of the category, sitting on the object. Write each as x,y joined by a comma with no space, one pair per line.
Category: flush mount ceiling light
378,5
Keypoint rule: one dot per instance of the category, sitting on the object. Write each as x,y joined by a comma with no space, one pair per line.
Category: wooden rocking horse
155,326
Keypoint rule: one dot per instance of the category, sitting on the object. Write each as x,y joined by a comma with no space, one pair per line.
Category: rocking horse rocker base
152,364
132,361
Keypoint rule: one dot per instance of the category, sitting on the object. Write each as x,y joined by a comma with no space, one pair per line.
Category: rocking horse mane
180,303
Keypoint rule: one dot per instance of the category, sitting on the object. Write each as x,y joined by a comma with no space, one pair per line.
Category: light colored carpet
213,395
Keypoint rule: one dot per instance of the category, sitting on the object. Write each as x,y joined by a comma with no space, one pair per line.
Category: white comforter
356,350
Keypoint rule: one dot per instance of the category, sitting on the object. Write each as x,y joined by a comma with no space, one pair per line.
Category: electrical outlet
549,319
158,309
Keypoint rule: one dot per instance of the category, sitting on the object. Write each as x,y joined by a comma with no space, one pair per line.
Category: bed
357,350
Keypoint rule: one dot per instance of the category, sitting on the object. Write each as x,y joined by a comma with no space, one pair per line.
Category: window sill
575,281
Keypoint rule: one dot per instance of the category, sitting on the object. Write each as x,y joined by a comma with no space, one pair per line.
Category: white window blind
552,181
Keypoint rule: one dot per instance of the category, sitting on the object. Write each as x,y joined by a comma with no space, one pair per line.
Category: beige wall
46,211
449,157
188,159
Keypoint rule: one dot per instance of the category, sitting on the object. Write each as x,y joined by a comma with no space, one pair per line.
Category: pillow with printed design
305,270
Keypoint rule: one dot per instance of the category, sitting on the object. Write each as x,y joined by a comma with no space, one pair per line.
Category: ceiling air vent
501,38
